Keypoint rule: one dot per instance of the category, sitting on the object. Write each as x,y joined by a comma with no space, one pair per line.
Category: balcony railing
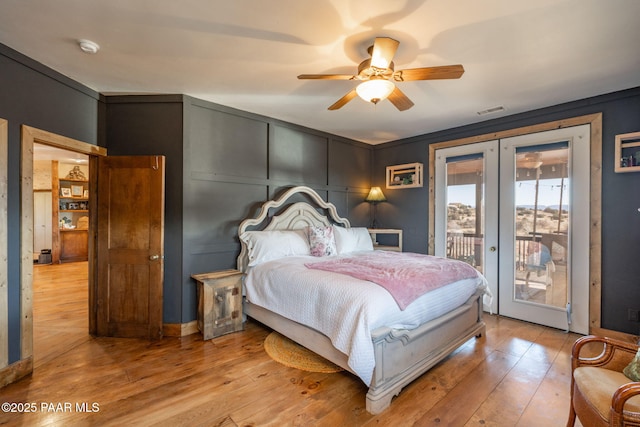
468,247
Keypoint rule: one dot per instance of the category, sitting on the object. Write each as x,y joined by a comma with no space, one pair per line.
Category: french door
517,209
466,223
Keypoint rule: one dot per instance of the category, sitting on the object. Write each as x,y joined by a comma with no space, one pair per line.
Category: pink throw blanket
405,275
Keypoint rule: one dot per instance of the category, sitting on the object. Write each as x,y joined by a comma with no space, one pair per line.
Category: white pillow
352,239
269,245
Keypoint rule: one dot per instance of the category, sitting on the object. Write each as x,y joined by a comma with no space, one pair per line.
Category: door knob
154,257
492,248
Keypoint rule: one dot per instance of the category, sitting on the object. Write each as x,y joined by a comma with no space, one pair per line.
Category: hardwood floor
60,311
517,375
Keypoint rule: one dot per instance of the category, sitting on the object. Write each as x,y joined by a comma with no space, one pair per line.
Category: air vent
491,110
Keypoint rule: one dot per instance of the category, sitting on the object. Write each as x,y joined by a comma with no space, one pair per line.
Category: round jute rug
284,351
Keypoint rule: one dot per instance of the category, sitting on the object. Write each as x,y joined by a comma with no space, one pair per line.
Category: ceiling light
87,46
375,90
531,161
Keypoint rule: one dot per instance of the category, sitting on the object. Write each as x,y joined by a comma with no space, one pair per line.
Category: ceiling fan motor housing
366,71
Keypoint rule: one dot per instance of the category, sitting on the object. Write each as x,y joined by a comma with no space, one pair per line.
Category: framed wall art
77,190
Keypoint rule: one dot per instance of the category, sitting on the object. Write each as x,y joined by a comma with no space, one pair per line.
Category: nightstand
219,302
374,232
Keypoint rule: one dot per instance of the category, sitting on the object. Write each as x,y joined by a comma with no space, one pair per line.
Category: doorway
152,180
511,208
60,282
29,137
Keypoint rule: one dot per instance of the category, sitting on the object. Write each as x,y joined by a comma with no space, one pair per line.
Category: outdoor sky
548,194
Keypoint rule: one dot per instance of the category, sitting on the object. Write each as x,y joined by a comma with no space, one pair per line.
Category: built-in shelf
627,145
408,175
70,212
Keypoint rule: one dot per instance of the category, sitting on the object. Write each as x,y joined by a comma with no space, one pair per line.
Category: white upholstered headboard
298,215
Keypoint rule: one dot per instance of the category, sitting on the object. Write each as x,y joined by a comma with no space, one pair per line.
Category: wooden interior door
130,246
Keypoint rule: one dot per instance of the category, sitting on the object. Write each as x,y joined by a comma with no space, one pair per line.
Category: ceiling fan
378,76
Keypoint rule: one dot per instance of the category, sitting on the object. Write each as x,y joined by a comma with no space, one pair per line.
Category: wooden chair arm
618,416
624,393
615,354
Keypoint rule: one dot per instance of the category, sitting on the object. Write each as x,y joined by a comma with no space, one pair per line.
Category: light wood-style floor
517,375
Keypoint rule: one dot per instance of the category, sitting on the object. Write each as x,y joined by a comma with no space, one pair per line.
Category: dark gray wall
139,125
408,208
34,95
222,164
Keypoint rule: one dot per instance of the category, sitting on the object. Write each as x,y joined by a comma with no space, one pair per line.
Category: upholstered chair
601,394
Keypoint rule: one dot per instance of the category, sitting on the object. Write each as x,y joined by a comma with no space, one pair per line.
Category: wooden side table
219,302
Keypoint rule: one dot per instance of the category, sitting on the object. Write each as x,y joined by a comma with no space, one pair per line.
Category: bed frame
400,355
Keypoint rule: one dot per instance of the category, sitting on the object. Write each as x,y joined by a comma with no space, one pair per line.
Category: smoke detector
87,46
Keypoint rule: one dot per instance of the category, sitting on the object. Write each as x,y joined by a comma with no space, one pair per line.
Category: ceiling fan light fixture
378,76
375,90
531,161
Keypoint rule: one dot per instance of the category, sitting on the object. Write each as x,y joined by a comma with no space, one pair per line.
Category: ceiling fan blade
429,73
400,100
342,101
325,77
384,48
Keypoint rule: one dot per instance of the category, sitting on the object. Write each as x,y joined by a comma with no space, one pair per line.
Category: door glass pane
542,224
465,209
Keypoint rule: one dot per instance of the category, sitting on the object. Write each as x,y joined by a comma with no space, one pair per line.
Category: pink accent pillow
322,241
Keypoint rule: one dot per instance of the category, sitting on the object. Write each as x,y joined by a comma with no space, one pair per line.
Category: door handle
154,257
492,249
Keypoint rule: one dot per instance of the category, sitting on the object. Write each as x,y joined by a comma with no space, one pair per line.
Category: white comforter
343,308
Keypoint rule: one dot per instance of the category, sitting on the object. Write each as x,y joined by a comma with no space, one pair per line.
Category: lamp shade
375,90
375,195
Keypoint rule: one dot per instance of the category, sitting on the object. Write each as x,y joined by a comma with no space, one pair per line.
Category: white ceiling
520,54
48,152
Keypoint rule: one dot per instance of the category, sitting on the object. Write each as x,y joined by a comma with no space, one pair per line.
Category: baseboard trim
180,329
16,371
635,339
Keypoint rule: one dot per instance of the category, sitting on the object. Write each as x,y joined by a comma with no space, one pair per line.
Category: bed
387,351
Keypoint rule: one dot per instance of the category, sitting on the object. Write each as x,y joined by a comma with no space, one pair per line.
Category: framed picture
85,194
76,190
65,192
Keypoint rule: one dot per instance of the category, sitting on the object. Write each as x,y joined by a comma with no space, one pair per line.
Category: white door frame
490,157
577,320
595,211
